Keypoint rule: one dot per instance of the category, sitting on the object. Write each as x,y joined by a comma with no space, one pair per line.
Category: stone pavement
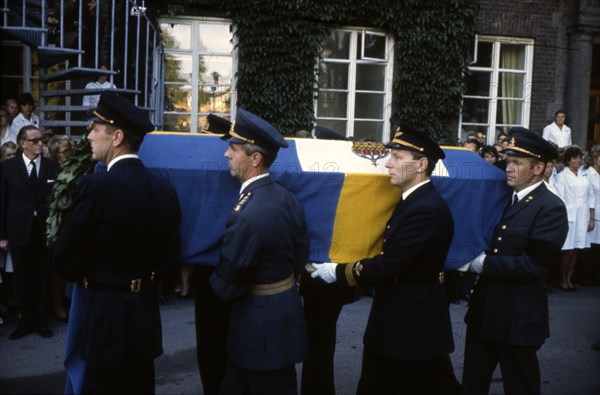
569,365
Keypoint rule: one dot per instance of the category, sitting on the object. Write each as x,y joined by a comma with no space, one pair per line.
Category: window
198,72
498,87
354,81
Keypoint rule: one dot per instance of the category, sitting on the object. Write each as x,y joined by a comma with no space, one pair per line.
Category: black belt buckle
136,285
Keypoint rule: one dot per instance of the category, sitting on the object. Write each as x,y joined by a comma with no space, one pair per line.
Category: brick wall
544,21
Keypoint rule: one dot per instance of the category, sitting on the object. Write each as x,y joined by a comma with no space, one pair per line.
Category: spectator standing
122,232
12,108
557,131
576,192
507,320
6,133
9,150
26,116
592,255
265,247
102,83
26,183
59,146
408,336
472,144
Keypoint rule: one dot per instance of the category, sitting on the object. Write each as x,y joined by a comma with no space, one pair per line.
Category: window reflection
176,36
214,38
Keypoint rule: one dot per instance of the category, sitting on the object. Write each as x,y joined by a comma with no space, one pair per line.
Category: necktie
515,199
33,174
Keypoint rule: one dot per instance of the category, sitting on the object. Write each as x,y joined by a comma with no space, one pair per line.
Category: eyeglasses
37,140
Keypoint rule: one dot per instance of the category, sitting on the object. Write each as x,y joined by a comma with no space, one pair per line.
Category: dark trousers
32,279
382,375
212,327
321,316
133,378
240,381
518,364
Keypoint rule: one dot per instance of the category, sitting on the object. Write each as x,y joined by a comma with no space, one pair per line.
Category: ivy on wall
279,40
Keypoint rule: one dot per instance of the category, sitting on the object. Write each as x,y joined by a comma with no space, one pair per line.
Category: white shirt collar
28,161
524,192
406,193
251,180
118,158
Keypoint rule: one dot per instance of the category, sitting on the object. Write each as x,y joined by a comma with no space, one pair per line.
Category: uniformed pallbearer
122,231
408,335
507,321
264,247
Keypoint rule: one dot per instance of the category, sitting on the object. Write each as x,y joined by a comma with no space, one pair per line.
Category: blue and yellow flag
343,186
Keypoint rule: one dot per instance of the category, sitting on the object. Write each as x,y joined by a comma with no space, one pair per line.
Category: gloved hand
326,271
477,263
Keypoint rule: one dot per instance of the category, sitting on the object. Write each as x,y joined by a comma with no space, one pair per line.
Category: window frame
351,89
491,126
195,81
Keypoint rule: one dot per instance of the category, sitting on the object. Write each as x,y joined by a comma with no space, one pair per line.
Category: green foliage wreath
77,163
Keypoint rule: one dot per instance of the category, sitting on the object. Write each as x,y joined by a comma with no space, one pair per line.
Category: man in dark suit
408,335
26,183
121,233
211,312
507,321
264,247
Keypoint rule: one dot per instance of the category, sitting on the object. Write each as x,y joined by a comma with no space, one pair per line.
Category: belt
273,288
134,286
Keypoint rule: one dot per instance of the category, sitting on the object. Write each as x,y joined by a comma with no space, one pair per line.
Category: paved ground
569,365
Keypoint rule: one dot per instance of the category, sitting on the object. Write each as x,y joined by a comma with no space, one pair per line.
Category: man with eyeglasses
26,183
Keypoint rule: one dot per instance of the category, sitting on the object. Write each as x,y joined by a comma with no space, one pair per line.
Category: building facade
529,59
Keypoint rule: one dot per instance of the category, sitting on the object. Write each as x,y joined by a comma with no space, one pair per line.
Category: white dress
561,137
578,196
594,180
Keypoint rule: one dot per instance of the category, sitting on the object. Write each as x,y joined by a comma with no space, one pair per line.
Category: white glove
477,263
326,271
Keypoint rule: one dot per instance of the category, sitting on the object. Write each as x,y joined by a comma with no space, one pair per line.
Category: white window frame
495,69
195,54
352,91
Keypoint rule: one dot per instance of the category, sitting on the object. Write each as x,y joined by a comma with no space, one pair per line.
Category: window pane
365,130
178,98
214,38
333,75
176,123
337,45
509,112
178,68
337,125
176,36
370,77
475,111
510,85
332,104
215,69
472,128
512,56
214,98
368,105
374,46
478,83
484,54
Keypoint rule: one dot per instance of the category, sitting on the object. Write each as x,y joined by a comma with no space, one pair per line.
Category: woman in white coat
592,254
576,192
557,131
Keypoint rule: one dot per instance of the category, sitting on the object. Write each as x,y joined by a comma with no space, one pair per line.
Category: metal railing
75,40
